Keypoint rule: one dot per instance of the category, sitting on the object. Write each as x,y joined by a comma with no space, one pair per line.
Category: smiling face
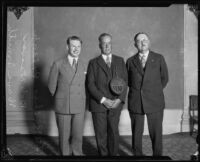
74,48
142,43
106,45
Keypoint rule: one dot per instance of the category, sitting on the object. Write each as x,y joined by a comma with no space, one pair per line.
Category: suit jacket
67,86
98,81
146,87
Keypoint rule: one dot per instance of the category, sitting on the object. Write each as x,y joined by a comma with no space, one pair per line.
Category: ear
135,44
149,44
67,47
100,45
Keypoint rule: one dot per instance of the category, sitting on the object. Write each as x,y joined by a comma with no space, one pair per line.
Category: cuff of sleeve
122,99
102,100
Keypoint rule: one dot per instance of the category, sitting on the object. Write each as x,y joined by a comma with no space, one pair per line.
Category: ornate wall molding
18,11
194,8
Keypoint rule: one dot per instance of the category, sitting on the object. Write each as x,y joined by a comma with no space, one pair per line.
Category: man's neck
144,52
105,54
72,56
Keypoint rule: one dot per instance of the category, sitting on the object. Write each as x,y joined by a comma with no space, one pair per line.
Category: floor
179,146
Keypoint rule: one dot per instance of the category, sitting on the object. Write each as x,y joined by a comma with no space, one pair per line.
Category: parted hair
103,35
136,35
73,38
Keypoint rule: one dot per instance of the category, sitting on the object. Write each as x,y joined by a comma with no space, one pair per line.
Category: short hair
103,35
135,37
73,38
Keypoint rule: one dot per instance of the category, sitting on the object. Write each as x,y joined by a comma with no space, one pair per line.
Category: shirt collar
105,56
144,54
70,58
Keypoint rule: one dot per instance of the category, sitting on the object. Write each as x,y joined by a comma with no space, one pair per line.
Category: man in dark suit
147,77
103,103
67,85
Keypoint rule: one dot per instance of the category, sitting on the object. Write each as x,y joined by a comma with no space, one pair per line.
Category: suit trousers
70,129
154,121
106,131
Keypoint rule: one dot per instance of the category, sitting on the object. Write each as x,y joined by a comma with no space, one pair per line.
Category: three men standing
145,74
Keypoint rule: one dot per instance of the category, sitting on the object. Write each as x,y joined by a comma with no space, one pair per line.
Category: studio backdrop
39,37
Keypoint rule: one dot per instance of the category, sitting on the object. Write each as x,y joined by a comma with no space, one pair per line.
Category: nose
107,45
144,41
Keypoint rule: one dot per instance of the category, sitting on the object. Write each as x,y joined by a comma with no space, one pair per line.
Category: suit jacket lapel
103,65
79,68
114,66
137,63
69,70
149,62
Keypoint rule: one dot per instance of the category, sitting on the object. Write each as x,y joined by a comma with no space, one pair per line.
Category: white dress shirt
70,58
104,58
146,54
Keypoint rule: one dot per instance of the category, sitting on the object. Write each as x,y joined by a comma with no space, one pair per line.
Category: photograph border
5,153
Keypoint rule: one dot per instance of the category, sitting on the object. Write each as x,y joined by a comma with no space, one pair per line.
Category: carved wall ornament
194,8
18,11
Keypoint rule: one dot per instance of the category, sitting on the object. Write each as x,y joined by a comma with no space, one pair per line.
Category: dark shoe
139,155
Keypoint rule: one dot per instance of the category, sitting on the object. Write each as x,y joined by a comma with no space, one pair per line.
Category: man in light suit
67,85
105,106
147,77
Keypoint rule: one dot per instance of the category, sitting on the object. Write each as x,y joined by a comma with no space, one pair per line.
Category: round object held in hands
117,85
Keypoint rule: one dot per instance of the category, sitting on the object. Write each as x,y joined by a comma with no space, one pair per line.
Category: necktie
143,61
108,61
74,64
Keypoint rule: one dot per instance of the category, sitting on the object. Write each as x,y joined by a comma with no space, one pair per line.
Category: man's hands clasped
111,104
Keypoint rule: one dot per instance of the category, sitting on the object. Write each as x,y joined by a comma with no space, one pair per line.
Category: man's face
74,48
105,45
142,43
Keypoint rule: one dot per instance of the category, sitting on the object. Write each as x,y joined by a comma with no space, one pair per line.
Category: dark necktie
74,64
143,61
108,61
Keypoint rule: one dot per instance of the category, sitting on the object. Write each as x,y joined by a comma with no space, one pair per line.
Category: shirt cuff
102,100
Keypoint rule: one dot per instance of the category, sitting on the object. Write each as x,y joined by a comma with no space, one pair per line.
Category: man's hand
108,103
116,103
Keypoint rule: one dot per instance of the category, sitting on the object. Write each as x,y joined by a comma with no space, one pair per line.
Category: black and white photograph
99,81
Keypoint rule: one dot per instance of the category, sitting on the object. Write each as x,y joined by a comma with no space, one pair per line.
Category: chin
143,50
108,52
75,55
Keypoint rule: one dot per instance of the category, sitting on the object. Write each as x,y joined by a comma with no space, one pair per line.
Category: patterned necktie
74,64
143,60
108,61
